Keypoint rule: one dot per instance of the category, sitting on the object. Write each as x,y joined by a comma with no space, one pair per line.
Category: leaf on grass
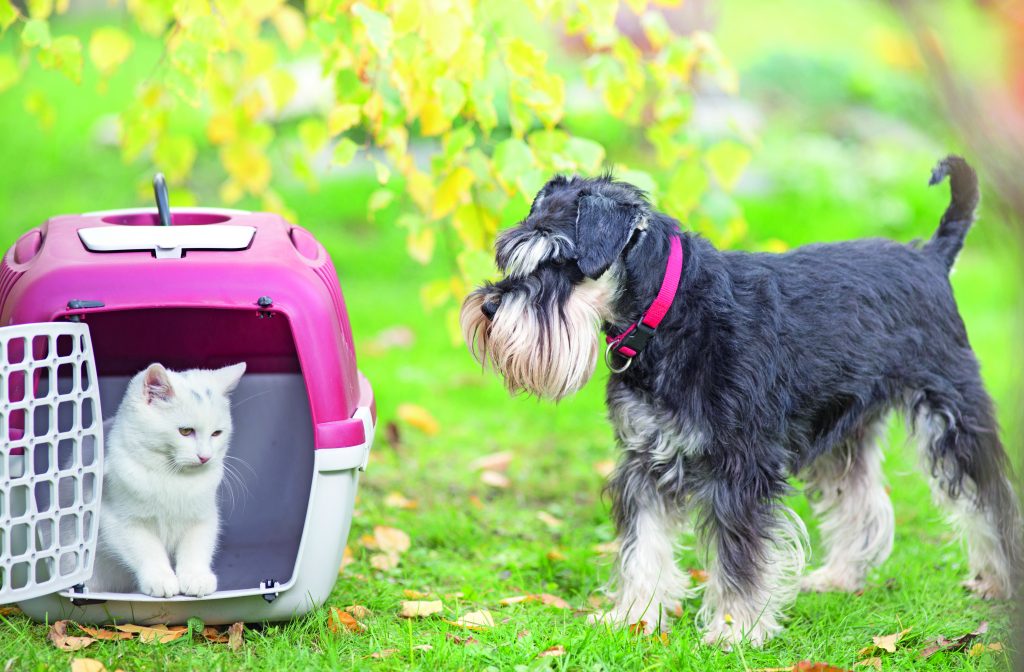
475,620
391,539
604,468
549,520
87,665
236,636
10,611
341,621
384,561
397,500
495,479
346,559
418,417
384,653
555,555
874,662
423,647
215,636
957,644
804,666
420,609
100,633
415,594
59,636
468,639
358,611
155,633
553,652
543,598
699,575
492,462
888,642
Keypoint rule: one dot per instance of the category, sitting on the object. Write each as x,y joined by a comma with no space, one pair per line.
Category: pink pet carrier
87,301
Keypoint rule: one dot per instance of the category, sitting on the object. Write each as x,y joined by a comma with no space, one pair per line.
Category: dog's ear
603,227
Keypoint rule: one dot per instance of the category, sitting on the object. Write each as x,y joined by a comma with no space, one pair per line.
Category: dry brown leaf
397,500
961,642
475,620
874,662
418,417
100,633
384,653
391,539
346,559
495,479
59,636
87,665
549,520
604,468
543,598
342,621
236,636
699,575
555,555
10,611
420,609
607,548
423,647
475,502
522,634
155,633
358,611
515,599
803,666
492,462
888,642
638,628
553,652
468,639
212,634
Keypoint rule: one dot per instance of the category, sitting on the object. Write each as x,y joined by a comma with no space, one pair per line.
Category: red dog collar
632,341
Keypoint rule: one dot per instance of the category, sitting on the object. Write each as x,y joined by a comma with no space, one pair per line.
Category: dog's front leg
647,585
757,549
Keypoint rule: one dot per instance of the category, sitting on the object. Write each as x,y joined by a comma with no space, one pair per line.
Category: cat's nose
203,460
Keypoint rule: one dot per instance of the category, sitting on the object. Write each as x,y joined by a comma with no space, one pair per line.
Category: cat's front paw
197,582
159,583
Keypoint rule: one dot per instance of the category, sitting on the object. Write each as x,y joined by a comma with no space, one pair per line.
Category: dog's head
538,326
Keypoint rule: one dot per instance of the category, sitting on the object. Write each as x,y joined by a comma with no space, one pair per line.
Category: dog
734,371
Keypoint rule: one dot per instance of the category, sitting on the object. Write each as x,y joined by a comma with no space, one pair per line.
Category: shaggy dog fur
766,366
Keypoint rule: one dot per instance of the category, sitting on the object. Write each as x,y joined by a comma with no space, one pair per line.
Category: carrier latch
269,586
82,601
79,304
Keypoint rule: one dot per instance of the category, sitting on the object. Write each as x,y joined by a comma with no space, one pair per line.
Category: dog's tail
956,221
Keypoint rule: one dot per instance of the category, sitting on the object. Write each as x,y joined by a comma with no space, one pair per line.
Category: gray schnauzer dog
732,372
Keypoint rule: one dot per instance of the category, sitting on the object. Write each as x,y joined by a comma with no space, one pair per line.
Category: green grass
485,544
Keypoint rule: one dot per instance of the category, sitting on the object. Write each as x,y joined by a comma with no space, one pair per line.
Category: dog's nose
490,308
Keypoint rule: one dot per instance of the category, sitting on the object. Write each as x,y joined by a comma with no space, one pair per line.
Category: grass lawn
473,544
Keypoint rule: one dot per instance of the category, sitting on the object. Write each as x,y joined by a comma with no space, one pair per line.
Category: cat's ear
229,376
156,384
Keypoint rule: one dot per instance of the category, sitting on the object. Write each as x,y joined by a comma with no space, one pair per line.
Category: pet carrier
96,298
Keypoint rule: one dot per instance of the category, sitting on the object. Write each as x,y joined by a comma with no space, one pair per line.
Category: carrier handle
163,205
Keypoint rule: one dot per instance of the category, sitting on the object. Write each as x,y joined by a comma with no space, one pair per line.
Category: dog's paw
987,588
159,583
832,580
197,582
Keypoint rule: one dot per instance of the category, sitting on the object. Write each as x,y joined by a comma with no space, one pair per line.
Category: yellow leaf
391,539
384,653
397,500
342,118
453,189
522,58
888,642
495,479
358,611
58,635
418,417
875,662
493,462
10,73
247,165
109,47
174,154
157,633
291,26
420,188
549,520
475,224
607,548
87,665
420,609
384,562
339,621
475,620
222,129
433,120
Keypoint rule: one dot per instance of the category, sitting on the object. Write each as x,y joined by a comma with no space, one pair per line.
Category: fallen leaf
961,642
549,520
492,462
604,468
699,575
157,633
664,638
414,594
236,636
397,500
475,620
552,652
346,559
875,662
888,642
212,634
495,479
384,653
468,639
384,561
638,628
391,539
418,417
87,665
476,502
100,633
543,598
522,634
358,611
423,647
342,621
59,636
607,548
808,666
555,555
420,609
10,611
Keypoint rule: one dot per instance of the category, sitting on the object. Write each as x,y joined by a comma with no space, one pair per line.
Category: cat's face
188,414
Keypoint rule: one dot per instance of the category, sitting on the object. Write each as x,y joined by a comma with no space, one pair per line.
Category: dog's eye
186,431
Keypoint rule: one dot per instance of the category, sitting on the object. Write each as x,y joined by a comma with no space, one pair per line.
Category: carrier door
51,459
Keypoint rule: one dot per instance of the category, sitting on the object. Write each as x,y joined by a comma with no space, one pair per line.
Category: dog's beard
549,351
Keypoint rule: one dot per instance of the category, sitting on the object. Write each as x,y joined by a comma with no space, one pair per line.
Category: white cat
164,461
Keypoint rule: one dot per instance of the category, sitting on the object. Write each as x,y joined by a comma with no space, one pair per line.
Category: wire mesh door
51,458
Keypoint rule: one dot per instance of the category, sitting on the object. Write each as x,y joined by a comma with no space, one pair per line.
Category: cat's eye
186,431
218,432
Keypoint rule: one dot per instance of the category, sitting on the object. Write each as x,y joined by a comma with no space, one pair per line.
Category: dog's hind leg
846,489
970,478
